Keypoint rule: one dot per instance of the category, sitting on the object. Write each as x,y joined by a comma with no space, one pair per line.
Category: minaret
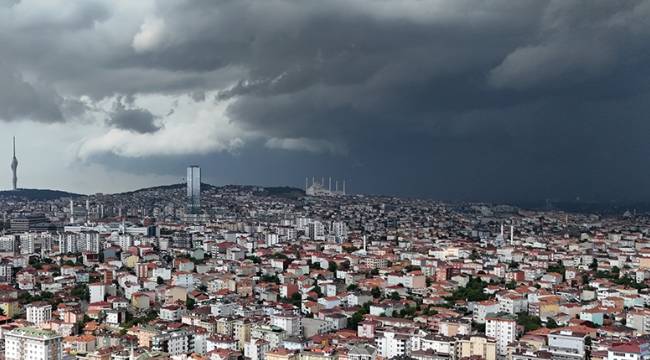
14,168
365,243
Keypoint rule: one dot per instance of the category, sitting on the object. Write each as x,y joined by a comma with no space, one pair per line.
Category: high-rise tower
194,189
14,168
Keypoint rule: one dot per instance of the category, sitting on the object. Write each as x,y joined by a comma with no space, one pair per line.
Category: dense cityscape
324,180
194,271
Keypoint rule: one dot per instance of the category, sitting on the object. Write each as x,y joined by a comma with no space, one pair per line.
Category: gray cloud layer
455,99
20,100
132,118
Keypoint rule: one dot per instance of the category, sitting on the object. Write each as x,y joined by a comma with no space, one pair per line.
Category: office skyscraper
194,189
14,168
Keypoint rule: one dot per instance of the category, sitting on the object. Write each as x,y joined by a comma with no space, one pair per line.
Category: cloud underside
528,87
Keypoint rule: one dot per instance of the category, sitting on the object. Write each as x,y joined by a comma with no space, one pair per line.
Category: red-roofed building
637,350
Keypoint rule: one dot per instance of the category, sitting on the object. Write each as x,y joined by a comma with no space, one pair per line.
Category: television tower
14,168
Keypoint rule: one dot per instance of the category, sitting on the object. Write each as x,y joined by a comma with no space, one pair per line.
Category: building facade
39,312
33,344
503,329
194,189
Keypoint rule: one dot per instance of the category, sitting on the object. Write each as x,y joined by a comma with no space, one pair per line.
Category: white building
503,329
272,239
113,316
340,230
220,342
566,344
171,312
288,322
316,230
639,320
393,342
27,244
438,344
163,273
482,309
90,241
8,243
38,312
29,343
174,342
512,303
82,241
362,352
183,279
97,292
638,350
125,241
256,349
415,280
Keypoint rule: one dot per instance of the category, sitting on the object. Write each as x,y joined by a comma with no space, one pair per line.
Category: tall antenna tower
14,168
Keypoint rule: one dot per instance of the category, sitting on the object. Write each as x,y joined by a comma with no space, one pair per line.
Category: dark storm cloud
134,119
501,101
20,100
138,120
452,99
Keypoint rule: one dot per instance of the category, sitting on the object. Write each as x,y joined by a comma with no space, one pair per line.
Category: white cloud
151,35
192,128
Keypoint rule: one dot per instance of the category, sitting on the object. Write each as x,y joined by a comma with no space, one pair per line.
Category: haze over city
453,100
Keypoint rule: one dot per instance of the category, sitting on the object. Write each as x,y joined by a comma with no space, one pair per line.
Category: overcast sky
449,99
